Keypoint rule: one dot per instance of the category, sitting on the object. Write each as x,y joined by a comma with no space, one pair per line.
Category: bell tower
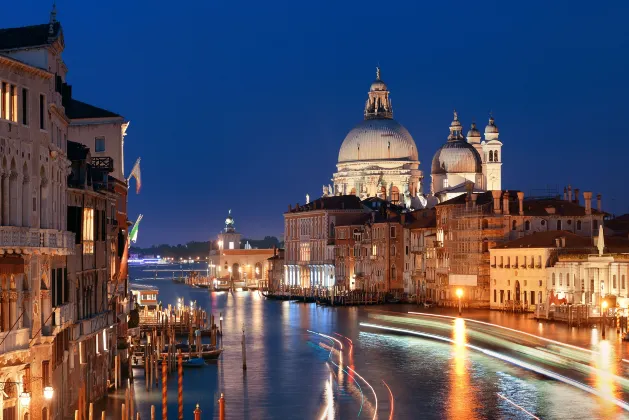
492,151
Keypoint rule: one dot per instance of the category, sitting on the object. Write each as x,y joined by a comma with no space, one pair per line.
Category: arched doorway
235,273
517,291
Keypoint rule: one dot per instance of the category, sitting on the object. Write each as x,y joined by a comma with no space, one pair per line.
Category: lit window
445,183
99,145
231,245
88,231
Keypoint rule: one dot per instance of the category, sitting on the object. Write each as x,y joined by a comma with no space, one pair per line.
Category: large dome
378,139
456,157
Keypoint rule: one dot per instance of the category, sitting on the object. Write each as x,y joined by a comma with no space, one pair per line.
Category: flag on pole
133,235
135,173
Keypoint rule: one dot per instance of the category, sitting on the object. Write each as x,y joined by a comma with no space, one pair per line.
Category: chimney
576,195
290,208
373,217
474,197
565,194
599,204
505,203
521,202
496,196
563,241
570,193
587,198
467,201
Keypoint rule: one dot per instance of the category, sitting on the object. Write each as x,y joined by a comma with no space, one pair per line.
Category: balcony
27,240
103,164
14,340
63,316
95,324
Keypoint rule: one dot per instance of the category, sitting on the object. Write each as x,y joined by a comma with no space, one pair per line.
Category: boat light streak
559,343
328,337
517,406
375,412
392,400
509,359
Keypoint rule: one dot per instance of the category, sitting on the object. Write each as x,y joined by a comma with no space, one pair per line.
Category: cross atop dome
378,104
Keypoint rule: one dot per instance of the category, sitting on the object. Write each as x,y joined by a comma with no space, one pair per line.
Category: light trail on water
392,401
517,406
509,359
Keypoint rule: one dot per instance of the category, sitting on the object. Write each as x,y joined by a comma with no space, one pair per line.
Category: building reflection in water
461,399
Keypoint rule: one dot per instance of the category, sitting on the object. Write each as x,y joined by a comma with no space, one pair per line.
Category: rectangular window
393,231
622,281
231,245
13,104
495,293
502,296
88,231
42,108
614,281
45,372
24,106
99,144
508,294
4,94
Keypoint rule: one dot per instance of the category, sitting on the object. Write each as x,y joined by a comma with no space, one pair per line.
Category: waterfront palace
63,284
376,229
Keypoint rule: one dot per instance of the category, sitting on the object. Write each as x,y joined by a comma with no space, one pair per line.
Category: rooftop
28,36
572,241
81,110
339,202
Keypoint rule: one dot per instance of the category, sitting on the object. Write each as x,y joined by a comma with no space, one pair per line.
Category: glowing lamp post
48,393
459,294
604,305
25,399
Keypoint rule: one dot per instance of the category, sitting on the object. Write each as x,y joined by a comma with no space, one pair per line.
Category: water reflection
461,400
604,381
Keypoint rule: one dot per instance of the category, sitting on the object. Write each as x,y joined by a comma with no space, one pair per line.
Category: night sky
244,105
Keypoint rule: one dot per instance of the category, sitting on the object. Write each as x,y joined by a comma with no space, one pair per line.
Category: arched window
539,297
527,225
13,196
553,279
26,197
578,225
485,245
539,261
558,224
496,156
395,194
332,230
513,225
393,272
561,279
491,156
614,281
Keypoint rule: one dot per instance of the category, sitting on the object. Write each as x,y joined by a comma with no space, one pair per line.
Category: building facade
309,235
55,303
469,225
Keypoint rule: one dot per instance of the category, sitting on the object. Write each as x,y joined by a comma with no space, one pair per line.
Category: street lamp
25,399
48,392
459,294
604,305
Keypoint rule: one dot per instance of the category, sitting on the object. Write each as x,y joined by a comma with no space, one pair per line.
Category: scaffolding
467,232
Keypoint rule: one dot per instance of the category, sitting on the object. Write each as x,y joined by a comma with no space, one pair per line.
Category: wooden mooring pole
164,390
221,407
180,385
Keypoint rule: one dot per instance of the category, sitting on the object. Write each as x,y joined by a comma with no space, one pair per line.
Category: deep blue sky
244,105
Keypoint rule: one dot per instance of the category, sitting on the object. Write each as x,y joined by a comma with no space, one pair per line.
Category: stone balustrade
23,240
14,340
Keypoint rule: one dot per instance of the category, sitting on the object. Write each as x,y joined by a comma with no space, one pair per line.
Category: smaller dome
491,127
378,85
456,157
473,131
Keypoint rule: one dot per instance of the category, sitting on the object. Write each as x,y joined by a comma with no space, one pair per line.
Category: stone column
18,199
5,311
12,307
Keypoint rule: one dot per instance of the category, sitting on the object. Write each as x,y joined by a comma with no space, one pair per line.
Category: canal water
292,373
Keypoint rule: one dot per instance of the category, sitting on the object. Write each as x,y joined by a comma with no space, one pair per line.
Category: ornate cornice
13,63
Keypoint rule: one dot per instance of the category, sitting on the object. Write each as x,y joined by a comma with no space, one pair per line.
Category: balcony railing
23,237
63,315
14,340
92,325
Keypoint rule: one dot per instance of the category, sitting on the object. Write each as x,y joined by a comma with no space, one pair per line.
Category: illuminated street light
25,399
48,392
459,294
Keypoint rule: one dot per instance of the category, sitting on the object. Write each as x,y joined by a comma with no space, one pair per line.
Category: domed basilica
379,158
